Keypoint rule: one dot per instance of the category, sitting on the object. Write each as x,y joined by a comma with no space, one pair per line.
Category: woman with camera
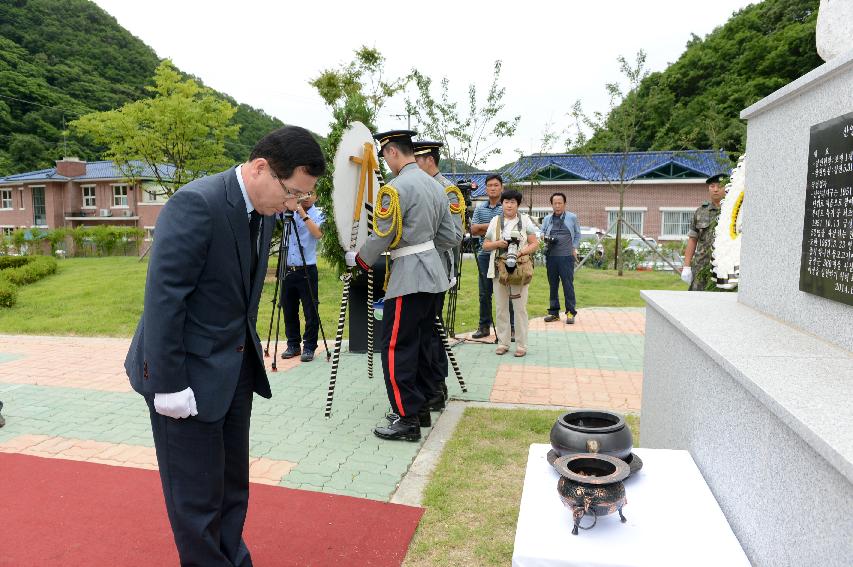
511,240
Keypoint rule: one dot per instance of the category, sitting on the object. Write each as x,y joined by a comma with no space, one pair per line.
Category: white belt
413,249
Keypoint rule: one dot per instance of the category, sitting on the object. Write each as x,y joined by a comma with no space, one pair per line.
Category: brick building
665,187
76,193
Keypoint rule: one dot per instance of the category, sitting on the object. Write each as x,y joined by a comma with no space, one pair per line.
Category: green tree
471,136
617,129
696,101
355,92
179,134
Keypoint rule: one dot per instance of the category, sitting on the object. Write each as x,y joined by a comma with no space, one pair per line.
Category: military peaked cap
394,136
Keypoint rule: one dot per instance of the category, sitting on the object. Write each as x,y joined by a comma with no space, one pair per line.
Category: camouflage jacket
702,229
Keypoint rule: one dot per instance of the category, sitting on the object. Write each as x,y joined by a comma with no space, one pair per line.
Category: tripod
288,228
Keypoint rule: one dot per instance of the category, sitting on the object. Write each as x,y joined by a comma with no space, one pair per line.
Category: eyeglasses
299,196
287,192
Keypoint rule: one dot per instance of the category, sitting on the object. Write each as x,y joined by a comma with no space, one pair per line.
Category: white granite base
777,150
766,411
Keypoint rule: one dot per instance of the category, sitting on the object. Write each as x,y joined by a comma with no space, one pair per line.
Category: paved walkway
68,398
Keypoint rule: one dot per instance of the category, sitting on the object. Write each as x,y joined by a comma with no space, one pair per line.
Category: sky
553,53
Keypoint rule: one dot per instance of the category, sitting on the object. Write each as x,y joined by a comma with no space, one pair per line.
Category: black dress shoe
437,403
403,429
291,352
480,333
550,318
307,356
424,418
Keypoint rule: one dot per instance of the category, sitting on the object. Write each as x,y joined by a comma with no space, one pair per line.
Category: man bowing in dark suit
196,356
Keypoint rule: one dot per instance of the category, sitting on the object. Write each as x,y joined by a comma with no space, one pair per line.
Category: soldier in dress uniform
700,244
413,223
427,157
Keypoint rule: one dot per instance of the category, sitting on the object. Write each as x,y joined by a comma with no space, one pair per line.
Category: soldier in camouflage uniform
700,244
427,157
414,224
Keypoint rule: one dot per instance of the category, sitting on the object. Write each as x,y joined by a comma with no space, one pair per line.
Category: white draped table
673,519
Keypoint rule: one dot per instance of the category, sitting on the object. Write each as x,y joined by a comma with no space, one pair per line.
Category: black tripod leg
279,280
282,269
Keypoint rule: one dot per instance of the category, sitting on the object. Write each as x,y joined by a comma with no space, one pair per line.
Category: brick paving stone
80,406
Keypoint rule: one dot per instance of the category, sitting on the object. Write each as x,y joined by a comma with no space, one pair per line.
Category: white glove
686,274
453,281
178,405
349,258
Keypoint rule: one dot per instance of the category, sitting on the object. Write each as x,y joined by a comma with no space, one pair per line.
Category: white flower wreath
726,257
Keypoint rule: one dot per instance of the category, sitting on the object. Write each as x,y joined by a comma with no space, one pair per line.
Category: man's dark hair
288,148
511,194
495,176
563,195
404,147
436,157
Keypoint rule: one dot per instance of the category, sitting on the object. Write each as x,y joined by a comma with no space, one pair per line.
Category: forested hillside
60,59
696,101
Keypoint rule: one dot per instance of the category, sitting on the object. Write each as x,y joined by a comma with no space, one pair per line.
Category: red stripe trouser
408,323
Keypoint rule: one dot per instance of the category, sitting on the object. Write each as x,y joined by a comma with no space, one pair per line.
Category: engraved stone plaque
826,263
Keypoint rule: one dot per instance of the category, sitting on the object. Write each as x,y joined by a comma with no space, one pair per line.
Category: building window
39,209
634,217
8,230
119,195
675,223
5,198
149,233
152,193
88,196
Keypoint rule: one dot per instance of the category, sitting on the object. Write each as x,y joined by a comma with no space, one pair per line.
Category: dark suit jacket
200,314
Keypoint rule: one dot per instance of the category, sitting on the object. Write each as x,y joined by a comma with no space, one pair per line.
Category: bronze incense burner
593,431
591,484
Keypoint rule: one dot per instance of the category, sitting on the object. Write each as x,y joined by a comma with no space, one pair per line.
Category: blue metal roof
604,166
94,170
607,166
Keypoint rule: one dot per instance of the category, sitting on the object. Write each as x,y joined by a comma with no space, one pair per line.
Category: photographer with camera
483,215
511,240
562,235
301,281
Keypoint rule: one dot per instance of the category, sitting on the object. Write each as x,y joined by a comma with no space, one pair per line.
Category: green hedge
22,270
8,293
37,268
102,240
13,261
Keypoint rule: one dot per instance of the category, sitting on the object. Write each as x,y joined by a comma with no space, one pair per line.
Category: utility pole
408,116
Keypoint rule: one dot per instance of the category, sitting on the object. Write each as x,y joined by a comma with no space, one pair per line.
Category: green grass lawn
103,297
471,503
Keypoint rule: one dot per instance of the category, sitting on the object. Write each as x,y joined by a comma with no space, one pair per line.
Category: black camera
467,187
550,242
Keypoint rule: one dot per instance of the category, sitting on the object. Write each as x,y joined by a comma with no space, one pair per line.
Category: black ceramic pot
592,431
591,485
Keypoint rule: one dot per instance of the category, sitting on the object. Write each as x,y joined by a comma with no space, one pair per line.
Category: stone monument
758,385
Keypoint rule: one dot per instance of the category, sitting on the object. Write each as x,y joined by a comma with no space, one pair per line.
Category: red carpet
69,513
